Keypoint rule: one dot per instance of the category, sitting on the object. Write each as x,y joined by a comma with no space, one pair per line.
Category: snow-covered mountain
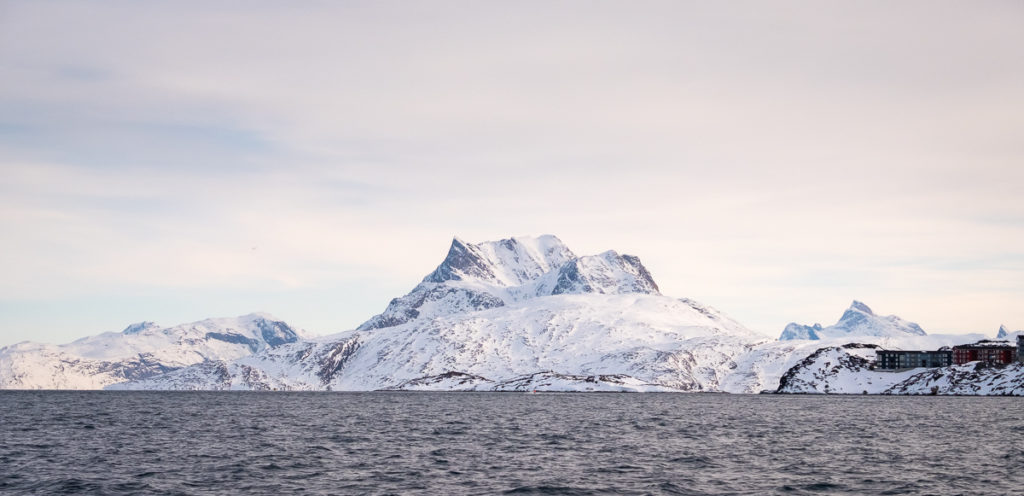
527,313
644,342
847,369
520,313
141,350
1007,334
858,320
498,273
517,314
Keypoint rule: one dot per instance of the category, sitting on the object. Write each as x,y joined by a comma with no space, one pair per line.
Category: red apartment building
990,352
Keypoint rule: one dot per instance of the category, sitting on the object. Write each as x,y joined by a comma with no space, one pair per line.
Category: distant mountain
1007,334
858,320
142,350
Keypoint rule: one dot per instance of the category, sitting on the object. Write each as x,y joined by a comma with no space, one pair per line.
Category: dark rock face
461,259
275,333
335,359
139,367
647,284
233,338
570,280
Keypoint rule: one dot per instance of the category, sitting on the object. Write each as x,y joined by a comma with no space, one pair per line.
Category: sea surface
254,443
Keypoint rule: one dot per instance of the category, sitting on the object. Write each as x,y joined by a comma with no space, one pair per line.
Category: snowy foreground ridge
517,314
846,370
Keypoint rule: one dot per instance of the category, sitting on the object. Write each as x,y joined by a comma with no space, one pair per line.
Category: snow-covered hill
847,369
858,320
141,350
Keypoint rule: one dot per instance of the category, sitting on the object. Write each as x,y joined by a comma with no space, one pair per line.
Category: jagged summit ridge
491,274
507,262
858,306
607,273
857,320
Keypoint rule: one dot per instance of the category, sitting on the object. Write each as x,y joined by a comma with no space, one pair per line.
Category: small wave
544,489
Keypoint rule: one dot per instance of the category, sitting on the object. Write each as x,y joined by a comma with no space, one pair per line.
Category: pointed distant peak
861,307
458,245
139,327
1003,332
462,259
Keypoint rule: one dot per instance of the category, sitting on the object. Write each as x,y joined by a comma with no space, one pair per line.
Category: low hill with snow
848,369
142,350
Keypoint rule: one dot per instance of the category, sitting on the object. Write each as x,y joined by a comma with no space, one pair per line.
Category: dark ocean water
493,443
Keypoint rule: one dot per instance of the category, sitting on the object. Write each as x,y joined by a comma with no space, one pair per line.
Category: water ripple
492,443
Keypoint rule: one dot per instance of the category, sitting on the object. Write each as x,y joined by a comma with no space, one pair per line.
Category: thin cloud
774,161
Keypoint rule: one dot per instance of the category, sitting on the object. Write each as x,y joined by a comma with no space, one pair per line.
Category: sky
176,161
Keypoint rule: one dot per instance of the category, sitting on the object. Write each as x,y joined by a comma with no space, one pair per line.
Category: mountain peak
506,262
1006,333
861,307
479,276
139,327
858,320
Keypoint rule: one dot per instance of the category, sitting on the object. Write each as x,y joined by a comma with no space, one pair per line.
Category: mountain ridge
493,274
517,314
141,350
857,320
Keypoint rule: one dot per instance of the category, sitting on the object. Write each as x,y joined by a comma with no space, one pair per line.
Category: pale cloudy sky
172,161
